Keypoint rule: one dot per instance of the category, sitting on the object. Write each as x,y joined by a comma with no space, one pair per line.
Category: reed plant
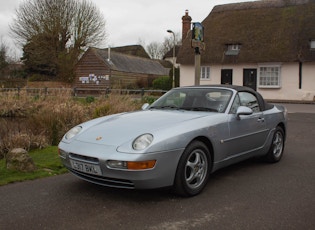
36,121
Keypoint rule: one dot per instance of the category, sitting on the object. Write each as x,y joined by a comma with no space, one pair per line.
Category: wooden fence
81,92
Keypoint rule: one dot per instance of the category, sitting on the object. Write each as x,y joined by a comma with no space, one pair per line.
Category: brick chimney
186,25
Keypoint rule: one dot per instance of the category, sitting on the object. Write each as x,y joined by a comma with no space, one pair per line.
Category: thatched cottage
266,45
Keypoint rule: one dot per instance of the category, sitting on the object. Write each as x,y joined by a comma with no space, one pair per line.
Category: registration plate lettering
86,167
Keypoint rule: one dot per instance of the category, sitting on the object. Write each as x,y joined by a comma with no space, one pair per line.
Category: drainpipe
300,75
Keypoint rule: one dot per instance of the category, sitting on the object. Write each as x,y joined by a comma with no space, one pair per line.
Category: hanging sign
197,40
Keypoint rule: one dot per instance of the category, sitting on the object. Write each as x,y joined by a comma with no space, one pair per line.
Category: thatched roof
267,31
129,63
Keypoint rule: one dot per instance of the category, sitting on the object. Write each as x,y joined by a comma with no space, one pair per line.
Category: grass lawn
46,160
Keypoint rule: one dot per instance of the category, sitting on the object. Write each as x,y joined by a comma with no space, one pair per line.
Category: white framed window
205,73
312,44
269,76
234,47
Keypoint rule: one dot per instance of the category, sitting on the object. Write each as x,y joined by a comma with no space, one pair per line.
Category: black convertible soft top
262,103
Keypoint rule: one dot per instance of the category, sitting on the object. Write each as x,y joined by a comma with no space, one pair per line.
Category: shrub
44,120
148,99
89,99
164,83
38,77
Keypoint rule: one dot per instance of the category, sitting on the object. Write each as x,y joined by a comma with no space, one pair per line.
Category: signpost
197,42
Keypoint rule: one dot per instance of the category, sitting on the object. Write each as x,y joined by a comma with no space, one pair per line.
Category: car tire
193,170
277,146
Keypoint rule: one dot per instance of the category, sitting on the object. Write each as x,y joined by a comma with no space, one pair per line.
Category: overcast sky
129,21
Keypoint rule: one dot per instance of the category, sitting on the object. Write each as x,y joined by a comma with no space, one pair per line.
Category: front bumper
161,175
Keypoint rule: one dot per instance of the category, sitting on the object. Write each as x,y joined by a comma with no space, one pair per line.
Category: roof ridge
128,55
260,4
105,51
131,63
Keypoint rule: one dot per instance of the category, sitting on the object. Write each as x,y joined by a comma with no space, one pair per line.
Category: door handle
261,119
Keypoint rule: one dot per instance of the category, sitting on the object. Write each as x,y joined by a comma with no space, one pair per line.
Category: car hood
118,129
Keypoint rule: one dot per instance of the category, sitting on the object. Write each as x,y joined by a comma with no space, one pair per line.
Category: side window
236,104
249,100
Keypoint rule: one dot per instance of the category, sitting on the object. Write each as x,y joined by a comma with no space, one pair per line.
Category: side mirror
243,110
145,106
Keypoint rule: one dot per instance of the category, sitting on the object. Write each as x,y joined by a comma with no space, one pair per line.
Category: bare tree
154,50
88,27
57,28
158,50
168,43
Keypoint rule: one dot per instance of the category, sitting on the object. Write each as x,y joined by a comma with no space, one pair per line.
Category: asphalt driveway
249,195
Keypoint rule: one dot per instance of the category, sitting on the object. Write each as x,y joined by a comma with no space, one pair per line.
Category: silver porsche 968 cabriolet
178,141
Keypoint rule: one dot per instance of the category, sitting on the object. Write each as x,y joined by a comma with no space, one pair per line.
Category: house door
226,76
250,78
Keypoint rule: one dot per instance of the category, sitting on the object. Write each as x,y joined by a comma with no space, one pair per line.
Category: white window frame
235,47
205,72
269,76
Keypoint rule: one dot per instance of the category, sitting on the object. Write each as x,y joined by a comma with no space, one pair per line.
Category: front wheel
277,146
193,170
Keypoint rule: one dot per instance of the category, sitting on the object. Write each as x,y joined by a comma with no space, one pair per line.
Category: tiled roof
132,64
135,50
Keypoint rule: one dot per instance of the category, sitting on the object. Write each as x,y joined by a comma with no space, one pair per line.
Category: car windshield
195,99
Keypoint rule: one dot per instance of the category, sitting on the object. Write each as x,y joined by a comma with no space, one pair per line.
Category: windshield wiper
184,108
164,107
201,109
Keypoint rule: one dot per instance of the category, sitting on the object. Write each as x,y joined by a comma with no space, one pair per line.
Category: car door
247,132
